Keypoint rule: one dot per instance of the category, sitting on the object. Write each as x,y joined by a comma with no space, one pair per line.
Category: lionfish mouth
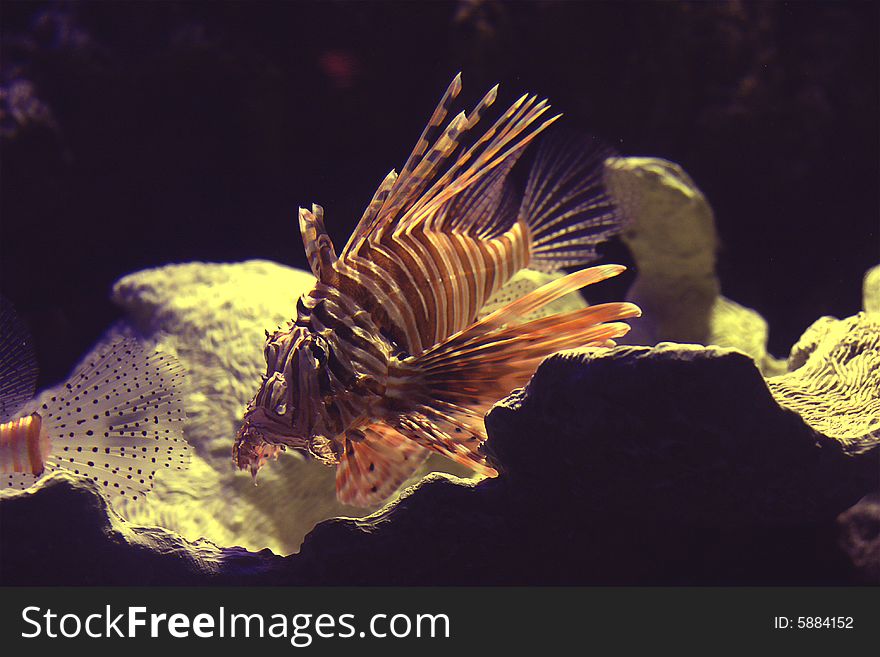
256,443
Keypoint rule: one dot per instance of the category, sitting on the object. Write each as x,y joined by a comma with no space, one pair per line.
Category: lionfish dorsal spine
371,214
319,247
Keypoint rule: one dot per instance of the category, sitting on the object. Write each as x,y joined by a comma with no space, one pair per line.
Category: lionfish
117,420
389,357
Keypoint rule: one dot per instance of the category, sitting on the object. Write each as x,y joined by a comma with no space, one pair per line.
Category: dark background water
137,134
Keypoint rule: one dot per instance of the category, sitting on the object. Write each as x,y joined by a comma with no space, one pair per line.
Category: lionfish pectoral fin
532,302
451,431
374,463
319,247
458,380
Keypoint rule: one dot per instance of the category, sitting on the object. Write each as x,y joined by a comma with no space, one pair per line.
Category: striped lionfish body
389,357
118,420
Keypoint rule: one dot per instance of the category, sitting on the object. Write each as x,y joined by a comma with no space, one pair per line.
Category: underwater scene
444,293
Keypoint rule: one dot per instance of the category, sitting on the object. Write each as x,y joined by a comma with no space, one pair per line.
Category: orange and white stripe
23,445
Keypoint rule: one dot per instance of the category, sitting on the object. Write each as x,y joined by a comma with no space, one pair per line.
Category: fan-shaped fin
375,461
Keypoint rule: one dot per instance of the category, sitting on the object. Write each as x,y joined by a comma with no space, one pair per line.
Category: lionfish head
288,409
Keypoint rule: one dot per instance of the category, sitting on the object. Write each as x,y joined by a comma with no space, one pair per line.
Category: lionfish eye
276,394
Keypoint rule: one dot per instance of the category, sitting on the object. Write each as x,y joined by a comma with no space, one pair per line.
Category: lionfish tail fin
566,205
453,384
374,462
18,363
119,419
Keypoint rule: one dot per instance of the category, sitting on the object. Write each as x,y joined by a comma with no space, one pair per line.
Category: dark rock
860,536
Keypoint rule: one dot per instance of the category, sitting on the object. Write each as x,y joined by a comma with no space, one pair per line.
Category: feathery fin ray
430,180
566,205
459,379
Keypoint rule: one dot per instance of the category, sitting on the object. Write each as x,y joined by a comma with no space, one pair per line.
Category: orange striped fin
434,122
451,385
455,388
402,190
540,337
430,179
549,293
319,248
506,139
395,190
532,302
480,376
371,215
437,432
485,209
375,461
368,220
408,192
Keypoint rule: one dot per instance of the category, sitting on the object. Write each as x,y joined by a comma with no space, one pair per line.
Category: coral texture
834,384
